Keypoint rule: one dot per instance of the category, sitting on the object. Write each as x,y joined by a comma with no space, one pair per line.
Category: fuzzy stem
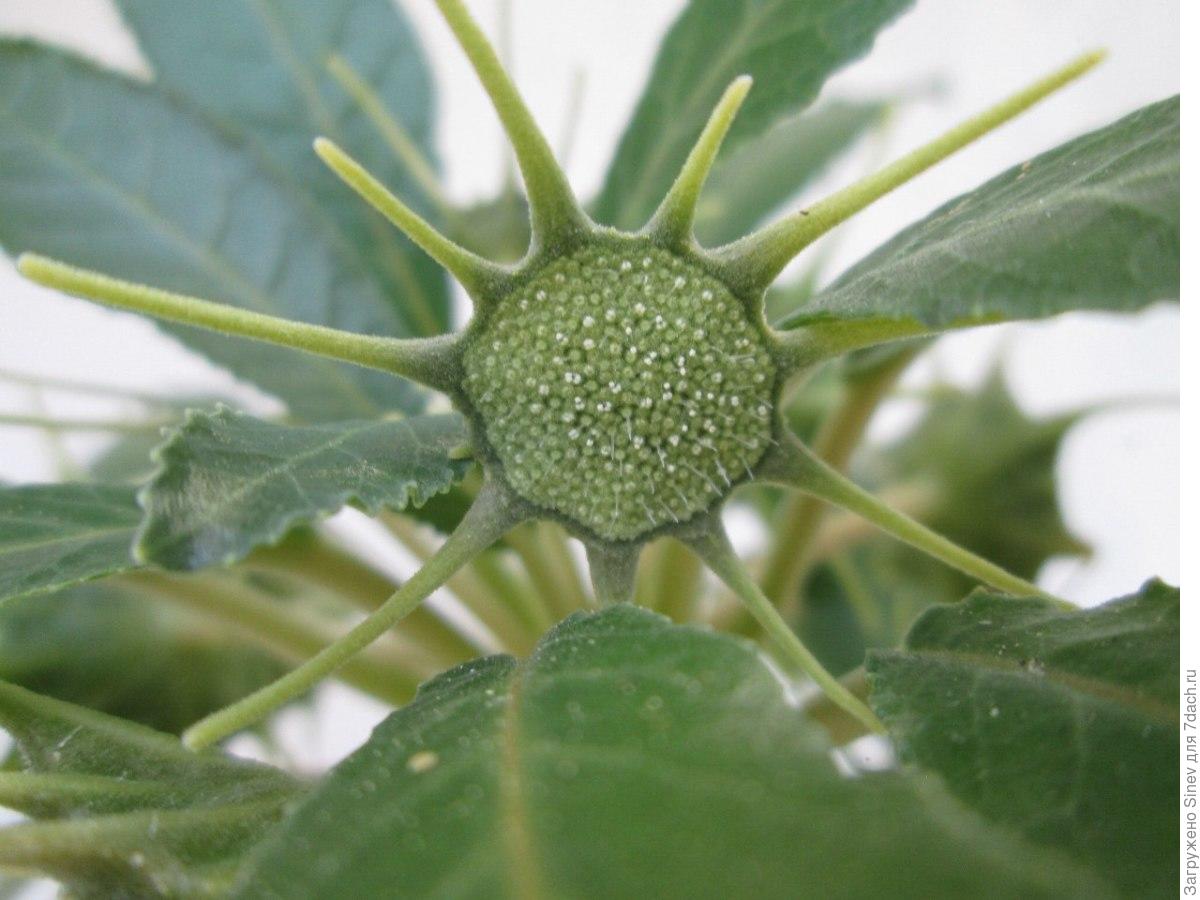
756,260
394,134
553,209
467,585
672,223
797,466
614,572
713,547
473,272
424,360
484,524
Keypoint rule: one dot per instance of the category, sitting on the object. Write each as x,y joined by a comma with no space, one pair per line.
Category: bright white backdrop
1119,473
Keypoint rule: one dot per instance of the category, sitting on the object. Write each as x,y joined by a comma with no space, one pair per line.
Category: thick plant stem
713,547
473,272
614,572
672,223
489,518
468,586
553,210
425,360
797,523
394,134
797,466
756,260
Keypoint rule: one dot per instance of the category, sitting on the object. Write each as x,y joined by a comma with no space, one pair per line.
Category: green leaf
1092,224
1062,724
228,482
259,67
765,171
127,812
56,535
107,173
76,645
628,757
789,48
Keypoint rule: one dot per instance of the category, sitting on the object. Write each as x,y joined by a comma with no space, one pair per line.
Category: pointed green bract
423,359
554,212
489,518
468,268
757,259
764,172
712,546
672,223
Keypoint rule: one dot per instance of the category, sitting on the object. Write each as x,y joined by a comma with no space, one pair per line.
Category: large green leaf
1092,224
76,645
56,535
259,67
764,172
629,757
125,811
228,482
790,48
107,173
1063,724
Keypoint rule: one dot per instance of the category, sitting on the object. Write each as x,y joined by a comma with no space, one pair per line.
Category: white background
1119,474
